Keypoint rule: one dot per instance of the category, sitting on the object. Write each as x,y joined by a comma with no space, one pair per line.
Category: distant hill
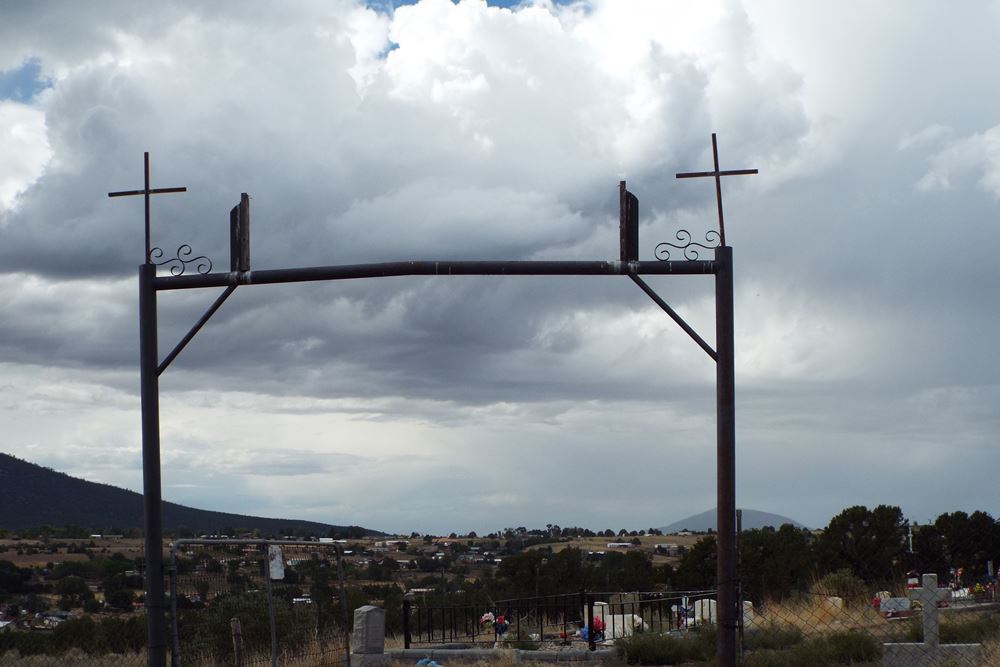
32,495
700,523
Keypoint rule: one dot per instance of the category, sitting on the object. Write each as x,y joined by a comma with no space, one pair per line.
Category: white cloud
25,147
445,130
975,155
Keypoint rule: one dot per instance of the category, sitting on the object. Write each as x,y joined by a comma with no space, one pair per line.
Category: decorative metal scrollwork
690,248
179,264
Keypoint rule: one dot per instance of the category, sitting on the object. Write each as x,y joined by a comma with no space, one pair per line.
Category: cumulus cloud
442,130
25,147
976,156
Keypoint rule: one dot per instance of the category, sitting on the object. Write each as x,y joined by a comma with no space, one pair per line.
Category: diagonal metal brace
674,316
195,329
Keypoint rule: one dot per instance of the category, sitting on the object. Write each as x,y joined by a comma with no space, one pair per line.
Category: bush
840,648
655,649
843,584
853,646
772,637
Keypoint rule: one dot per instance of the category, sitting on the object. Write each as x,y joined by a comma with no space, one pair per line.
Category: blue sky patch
23,83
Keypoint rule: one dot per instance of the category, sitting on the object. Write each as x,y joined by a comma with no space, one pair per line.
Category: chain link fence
258,602
915,623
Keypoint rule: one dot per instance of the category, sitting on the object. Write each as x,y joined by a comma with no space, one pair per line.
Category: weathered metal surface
717,174
674,316
182,259
628,224
156,641
195,329
239,235
431,268
146,191
725,391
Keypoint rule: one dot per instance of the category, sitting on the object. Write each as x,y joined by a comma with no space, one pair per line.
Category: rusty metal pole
725,459
156,626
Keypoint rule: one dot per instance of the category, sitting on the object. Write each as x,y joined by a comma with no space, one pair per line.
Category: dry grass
74,657
815,615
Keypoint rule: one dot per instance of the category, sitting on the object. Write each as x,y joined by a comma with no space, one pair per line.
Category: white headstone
276,564
706,611
928,596
747,612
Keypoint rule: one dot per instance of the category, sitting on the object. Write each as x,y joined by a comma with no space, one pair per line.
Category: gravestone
931,651
747,613
368,637
706,611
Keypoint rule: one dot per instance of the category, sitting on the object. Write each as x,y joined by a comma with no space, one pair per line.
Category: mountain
32,495
700,523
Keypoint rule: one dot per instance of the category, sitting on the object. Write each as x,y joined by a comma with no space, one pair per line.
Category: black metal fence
249,602
585,618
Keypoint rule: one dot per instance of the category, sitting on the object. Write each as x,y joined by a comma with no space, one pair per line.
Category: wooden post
237,642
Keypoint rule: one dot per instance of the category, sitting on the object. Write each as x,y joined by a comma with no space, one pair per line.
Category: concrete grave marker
931,651
369,630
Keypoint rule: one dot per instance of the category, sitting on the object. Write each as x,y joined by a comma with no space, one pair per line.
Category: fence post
175,652
591,640
406,620
234,624
343,603
270,605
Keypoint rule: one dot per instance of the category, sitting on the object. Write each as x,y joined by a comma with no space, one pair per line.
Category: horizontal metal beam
431,268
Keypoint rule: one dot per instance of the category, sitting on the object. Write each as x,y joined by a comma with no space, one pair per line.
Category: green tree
867,542
696,571
773,563
73,592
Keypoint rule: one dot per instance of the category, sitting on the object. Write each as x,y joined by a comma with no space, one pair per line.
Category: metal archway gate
628,264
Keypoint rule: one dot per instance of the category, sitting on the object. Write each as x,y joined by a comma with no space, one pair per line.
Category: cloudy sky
866,254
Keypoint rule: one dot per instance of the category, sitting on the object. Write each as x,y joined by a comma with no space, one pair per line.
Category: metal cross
146,191
718,183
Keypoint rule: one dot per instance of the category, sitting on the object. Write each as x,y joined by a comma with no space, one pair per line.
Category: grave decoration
598,624
489,621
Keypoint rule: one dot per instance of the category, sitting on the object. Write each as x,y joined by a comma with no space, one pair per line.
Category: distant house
620,545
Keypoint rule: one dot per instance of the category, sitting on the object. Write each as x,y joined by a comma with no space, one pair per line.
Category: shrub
840,648
772,637
843,584
853,646
656,649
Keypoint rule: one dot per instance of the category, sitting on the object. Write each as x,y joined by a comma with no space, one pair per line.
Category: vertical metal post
741,641
725,458
270,605
346,614
156,640
175,636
